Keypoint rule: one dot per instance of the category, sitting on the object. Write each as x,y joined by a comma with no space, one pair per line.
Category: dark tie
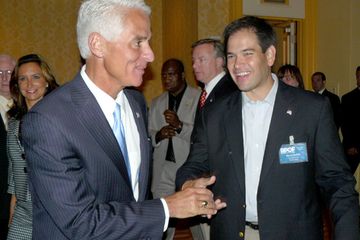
119,132
170,156
202,98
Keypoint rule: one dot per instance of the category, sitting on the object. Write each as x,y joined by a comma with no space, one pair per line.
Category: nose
167,77
149,54
4,75
28,82
233,62
238,61
194,65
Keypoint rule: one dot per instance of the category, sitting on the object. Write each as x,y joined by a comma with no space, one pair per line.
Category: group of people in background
346,112
246,157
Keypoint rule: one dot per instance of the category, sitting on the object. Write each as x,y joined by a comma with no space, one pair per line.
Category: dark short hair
178,62
321,74
293,70
263,30
358,68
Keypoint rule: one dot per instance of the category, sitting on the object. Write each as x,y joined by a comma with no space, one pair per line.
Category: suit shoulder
330,94
299,96
232,98
58,98
355,93
225,87
192,90
135,93
159,98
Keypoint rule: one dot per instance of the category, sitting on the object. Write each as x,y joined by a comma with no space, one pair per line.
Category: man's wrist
158,137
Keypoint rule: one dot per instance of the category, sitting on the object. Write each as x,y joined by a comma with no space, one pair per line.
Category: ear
96,44
183,76
270,54
220,62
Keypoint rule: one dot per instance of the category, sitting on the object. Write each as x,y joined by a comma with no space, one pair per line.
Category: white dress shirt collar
211,85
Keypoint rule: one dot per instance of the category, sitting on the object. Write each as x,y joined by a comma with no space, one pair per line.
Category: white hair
105,17
7,58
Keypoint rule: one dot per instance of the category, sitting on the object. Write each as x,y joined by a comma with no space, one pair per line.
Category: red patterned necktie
202,98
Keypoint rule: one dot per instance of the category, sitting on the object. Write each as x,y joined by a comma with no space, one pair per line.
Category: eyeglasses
6,73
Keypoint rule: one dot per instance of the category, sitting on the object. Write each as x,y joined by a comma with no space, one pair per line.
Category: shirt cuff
167,214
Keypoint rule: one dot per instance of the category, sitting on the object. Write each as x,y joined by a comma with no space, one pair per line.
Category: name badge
293,153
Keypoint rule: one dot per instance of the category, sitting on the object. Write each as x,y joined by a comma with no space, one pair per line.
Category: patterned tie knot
202,98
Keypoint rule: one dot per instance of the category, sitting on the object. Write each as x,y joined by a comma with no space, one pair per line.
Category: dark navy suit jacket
288,196
77,174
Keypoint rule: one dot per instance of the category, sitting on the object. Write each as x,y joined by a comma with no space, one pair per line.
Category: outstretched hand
194,199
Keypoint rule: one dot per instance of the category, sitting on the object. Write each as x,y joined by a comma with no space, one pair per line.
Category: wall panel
180,30
43,27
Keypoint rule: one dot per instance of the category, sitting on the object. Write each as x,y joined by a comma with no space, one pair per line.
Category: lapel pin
289,112
137,114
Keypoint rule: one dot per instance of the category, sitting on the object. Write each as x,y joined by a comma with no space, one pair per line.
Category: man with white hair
88,150
7,64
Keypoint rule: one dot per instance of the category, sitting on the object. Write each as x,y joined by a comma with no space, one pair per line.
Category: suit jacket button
241,234
244,206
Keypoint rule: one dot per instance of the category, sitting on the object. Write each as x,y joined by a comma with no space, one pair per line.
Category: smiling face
249,67
32,83
125,58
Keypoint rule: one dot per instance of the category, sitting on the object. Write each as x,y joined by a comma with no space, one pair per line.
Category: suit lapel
217,89
186,103
282,119
233,129
93,119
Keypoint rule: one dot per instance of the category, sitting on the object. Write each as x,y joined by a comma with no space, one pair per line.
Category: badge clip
291,140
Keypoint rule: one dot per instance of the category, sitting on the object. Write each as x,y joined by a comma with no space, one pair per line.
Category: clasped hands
174,126
194,199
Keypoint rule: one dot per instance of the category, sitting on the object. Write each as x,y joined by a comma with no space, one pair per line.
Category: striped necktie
202,98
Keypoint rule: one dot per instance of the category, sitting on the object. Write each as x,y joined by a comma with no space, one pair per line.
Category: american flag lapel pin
137,115
289,112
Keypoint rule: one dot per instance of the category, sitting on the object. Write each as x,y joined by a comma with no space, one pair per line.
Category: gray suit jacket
288,196
181,142
78,178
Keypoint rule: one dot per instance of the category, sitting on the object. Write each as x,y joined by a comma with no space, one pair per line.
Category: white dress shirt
5,105
256,116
